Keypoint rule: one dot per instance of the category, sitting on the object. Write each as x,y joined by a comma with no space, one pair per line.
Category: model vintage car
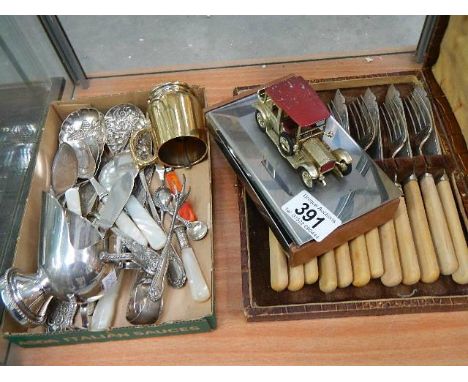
293,116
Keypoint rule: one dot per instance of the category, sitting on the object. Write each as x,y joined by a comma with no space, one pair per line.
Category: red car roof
297,98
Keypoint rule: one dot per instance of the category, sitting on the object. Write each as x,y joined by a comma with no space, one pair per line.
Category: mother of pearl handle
448,262
128,227
197,284
456,231
123,222
149,228
104,311
72,197
196,281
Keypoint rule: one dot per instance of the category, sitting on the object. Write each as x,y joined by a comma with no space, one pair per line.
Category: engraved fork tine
421,126
354,112
368,126
395,128
365,130
366,264
339,109
334,112
397,135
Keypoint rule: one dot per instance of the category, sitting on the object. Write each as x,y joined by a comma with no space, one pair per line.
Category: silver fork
447,198
344,268
420,122
398,138
421,128
364,128
427,259
366,253
396,134
337,107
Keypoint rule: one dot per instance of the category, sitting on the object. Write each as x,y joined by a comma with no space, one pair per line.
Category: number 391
307,214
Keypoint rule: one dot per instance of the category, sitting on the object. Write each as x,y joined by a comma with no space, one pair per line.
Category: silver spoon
61,315
121,121
196,230
88,198
86,161
86,125
141,310
176,269
157,285
64,169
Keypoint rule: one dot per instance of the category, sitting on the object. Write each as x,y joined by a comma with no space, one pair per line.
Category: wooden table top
434,338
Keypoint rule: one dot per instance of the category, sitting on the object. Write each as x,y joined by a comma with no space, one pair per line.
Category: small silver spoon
141,310
157,285
176,271
196,230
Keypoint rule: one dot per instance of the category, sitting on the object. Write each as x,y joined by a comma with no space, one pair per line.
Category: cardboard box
181,314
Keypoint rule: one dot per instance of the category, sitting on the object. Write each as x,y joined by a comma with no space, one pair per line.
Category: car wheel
286,144
306,178
346,168
260,120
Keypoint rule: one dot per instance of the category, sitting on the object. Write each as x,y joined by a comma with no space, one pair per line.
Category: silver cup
68,266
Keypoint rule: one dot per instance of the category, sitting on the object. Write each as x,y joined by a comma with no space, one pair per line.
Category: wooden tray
262,303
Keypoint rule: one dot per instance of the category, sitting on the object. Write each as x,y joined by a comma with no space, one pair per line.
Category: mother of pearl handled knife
115,201
104,310
72,197
123,222
151,230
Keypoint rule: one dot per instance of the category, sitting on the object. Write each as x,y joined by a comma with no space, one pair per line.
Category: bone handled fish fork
427,258
422,127
460,276
344,268
381,242
397,138
366,253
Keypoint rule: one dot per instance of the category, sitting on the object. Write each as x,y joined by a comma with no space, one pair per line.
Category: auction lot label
311,215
